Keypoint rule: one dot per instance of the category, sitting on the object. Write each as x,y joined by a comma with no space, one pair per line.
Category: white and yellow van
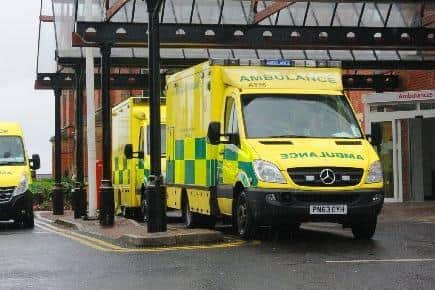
269,143
130,154
15,176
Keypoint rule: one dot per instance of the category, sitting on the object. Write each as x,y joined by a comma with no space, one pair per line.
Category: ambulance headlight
375,173
267,172
22,187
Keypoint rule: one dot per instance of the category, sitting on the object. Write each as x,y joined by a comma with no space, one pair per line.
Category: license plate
328,209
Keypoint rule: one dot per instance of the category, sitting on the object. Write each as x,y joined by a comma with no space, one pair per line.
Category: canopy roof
60,18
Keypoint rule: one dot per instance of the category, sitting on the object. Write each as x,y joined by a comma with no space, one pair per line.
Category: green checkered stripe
195,163
141,169
242,163
121,172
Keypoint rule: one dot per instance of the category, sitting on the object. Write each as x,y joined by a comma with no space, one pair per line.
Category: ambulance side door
228,156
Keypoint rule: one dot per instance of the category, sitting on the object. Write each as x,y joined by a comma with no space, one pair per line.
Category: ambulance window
141,140
231,125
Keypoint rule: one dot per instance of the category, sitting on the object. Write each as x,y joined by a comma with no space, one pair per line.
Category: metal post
57,188
107,210
155,191
79,194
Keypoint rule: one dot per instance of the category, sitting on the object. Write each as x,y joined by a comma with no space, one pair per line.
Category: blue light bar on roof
278,62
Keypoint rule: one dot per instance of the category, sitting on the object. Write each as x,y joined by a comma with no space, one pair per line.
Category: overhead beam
360,1
273,8
173,64
65,81
140,81
129,35
115,8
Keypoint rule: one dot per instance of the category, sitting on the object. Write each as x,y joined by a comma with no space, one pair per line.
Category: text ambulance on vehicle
269,143
15,176
130,154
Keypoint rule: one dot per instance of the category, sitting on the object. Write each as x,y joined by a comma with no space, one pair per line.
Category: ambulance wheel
25,220
244,220
190,219
364,229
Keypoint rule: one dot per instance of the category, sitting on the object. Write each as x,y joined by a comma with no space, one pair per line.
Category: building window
427,106
393,107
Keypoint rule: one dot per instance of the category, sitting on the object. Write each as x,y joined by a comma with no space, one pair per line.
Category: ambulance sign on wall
407,96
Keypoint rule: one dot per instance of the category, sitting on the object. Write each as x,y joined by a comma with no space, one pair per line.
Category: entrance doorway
402,125
422,157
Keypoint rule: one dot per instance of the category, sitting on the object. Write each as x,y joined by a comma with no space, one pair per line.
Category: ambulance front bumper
278,207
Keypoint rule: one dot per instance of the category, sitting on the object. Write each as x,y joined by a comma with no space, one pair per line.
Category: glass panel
195,53
374,15
208,11
182,9
364,55
269,20
382,134
341,54
317,54
221,53
427,106
297,12
11,151
235,13
245,53
124,14
293,54
393,107
347,14
387,55
320,14
162,139
46,49
269,54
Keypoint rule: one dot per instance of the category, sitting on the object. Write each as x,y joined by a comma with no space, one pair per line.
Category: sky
19,101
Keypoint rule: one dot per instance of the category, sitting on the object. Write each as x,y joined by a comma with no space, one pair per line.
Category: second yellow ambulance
269,143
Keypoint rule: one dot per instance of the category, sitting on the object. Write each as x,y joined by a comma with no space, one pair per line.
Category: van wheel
25,220
364,229
190,219
243,217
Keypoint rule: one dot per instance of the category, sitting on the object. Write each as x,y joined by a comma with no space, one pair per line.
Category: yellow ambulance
15,176
269,143
130,154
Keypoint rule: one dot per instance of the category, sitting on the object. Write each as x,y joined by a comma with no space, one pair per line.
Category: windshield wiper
289,136
11,163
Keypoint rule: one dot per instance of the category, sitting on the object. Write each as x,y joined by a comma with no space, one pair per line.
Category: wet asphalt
38,259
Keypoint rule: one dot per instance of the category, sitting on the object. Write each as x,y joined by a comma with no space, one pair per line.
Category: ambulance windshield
11,151
299,116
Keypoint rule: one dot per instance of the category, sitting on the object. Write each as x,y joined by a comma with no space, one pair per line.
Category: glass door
384,140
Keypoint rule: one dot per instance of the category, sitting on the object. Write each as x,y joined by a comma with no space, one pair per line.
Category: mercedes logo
327,176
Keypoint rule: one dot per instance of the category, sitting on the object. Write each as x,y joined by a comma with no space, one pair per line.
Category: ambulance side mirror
128,151
129,154
35,162
214,133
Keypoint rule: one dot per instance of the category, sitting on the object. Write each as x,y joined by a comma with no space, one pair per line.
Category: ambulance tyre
25,220
190,219
244,221
364,229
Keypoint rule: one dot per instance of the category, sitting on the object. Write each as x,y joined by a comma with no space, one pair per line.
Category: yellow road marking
104,246
91,239
73,238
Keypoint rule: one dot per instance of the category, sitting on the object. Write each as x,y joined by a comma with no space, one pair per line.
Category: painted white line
382,261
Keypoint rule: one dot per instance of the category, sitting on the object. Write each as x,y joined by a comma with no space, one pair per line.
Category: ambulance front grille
6,193
310,176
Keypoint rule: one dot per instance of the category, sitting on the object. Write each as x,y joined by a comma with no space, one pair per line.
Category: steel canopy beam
117,81
115,8
256,37
179,63
140,82
258,16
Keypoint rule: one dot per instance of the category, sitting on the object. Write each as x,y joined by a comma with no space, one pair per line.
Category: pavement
319,256
131,233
